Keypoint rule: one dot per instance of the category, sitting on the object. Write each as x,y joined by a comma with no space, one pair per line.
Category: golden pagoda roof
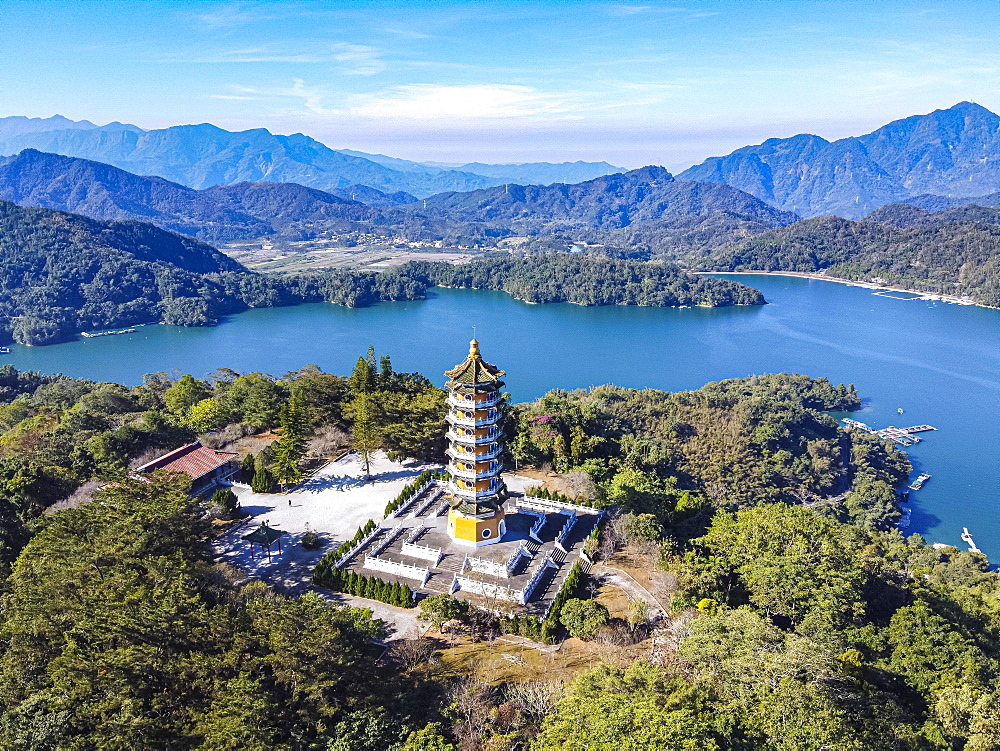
474,370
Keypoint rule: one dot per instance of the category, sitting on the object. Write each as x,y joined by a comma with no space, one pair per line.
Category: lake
938,362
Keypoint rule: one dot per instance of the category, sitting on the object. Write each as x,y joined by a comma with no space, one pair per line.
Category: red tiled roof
194,460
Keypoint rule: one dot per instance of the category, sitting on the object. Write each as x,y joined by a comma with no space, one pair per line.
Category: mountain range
219,213
201,156
953,152
248,210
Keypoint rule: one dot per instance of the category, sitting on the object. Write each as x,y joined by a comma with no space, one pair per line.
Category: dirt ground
502,660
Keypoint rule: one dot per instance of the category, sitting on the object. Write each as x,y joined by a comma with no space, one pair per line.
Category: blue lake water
938,362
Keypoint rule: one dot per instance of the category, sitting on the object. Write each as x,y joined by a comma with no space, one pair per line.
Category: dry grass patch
504,662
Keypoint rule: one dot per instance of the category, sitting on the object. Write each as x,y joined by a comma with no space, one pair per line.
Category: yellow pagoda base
476,531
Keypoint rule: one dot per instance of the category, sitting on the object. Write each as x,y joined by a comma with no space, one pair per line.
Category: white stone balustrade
399,569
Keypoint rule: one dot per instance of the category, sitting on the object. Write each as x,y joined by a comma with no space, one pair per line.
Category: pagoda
476,492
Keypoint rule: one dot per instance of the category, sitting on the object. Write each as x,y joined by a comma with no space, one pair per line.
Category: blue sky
633,83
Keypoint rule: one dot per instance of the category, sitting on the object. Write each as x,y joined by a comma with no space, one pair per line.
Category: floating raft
902,436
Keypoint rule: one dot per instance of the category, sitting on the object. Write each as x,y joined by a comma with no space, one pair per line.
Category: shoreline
921,295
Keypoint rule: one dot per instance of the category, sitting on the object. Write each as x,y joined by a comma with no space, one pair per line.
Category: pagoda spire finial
474,348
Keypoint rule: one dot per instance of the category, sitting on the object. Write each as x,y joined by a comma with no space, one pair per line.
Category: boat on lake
4,350
919,482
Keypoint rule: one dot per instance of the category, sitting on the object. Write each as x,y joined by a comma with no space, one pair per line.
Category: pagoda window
487,532
492,413
468,397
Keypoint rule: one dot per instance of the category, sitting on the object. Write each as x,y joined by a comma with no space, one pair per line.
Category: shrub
583,618
311,541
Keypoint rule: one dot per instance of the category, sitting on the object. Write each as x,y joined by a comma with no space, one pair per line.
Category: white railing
558,507
389,539
500,591
422,552
443,508
458,454
536,578
515,557
490,436
558,590
397,568
357,548
471,422
486,566
480,492
431,497
564,532
472,404
454,469
540,519
488,589
412,499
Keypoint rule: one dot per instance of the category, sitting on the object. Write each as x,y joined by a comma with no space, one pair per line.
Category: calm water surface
939,362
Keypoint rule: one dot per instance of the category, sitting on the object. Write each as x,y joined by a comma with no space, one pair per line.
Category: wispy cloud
427,102
351,59
358,59
230,15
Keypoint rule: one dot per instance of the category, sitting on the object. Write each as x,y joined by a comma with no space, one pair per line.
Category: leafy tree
438,609
263,480
291,447
184,394
640,708
583,618
207,415
428,738
227,500
367,431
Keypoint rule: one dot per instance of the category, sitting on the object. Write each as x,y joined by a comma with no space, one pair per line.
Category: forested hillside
956,252
586,280
63,273
797,617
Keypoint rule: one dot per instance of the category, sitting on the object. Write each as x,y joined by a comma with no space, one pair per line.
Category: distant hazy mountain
220,213
527,173
200,156
953,152
608,202
17,125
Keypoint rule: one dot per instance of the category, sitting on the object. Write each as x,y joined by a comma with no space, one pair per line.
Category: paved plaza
338,500
333,503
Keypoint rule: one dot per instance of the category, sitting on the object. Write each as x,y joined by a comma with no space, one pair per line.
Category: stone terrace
417,538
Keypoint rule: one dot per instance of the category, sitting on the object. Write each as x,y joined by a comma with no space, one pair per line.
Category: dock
902,436
967,538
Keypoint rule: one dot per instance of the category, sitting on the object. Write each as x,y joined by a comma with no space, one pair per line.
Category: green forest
798,616
62,273
586,280
955,254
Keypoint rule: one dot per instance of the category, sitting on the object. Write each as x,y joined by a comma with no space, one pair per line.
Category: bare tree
409,653
328,439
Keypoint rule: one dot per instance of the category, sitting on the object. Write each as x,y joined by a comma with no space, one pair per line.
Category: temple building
476,491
